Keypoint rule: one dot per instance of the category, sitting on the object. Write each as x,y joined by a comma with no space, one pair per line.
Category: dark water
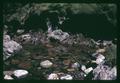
92,25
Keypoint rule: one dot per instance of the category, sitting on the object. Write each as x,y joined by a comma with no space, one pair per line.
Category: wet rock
75,65
26,37
10,47
103,72
66,77
20,31
53,76
58,34
20,73
100,51
83,67
88,70
8,73
8,77
46,64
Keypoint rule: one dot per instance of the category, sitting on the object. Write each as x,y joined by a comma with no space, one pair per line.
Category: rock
53,76
20,31
58,34
46,64
8,77
100,51
88,70
83,67
20,73
75,65
26,37
70,70
66,77
101,56
103,72
10,47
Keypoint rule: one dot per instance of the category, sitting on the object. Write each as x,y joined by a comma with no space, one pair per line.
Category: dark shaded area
92,25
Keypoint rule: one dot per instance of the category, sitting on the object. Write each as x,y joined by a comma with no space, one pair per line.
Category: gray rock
103,72
58,34
46,64
10,47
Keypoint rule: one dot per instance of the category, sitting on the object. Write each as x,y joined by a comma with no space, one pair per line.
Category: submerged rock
10,47
20,73
46,64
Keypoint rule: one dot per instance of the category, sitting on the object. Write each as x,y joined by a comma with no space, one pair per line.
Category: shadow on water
91,25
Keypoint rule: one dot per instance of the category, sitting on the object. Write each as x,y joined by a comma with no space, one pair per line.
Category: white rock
83,67
8,77
20,73
46,64
75,65
88,70
66,77
101,56
53,76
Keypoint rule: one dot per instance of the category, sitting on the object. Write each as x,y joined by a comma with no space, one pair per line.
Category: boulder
10,47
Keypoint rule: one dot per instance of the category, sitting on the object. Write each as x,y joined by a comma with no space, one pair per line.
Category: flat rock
8,77
53,76
66,77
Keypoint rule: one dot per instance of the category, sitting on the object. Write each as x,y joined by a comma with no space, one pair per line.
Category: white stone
8,77
98,61
88,70
20,73
75,65
101,56
66,77
83,67
46,64
53,76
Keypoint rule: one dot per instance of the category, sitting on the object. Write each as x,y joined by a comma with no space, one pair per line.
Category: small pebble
46,64
20,73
